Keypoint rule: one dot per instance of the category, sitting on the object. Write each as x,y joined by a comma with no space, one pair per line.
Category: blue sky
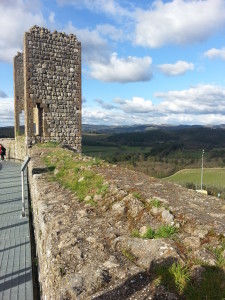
143,62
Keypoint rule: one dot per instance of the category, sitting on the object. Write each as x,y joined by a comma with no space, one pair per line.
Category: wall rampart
15,148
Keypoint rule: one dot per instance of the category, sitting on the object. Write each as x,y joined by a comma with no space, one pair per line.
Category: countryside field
213,179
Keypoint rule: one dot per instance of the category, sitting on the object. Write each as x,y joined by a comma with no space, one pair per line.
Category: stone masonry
52,88
18,90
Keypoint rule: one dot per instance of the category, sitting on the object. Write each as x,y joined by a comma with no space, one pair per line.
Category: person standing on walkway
2,152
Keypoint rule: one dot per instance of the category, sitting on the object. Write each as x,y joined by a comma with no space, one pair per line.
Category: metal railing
23,168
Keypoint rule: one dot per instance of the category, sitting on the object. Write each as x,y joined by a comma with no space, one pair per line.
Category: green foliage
160,153
155,203
74,174
215,176
128,255
150,233
50,144
219,253
135,233
211,286
213,179
137,195
103,190
164,231
175,277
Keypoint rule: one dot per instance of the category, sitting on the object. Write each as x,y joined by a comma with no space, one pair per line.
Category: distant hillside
194,137
7,132
89,128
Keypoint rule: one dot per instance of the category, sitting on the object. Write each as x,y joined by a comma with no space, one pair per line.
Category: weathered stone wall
86,250
15,148
20,148
18,90
9,145
52,72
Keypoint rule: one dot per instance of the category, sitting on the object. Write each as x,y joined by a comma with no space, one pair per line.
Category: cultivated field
212,177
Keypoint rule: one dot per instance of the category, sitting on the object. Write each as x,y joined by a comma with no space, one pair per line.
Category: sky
143,62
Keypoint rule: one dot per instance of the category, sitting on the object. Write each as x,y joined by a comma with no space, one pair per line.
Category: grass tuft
155,203
137,195
175,277
128,255
164,231
135,233
74,173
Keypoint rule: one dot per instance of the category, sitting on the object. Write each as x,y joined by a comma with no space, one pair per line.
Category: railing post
23,196
23,167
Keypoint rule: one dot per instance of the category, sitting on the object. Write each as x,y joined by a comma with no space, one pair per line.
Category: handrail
23,168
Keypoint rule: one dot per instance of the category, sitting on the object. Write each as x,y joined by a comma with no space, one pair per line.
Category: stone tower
47,86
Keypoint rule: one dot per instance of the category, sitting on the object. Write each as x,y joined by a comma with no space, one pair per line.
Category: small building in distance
47,88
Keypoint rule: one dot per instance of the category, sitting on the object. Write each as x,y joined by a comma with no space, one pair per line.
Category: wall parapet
15,148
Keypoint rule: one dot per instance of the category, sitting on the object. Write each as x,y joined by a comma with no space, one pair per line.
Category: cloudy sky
143,62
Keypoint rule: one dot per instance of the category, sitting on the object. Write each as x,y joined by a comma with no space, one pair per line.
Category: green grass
73,173
155,203
211,177
137,195
135,233
128,255
164,231
212,285
50,144
177,278
107,151
218,251
187,154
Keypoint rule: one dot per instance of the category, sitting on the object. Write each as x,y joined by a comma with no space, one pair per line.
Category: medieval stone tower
47,87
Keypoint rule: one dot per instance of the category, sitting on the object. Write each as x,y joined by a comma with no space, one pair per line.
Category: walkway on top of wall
15,250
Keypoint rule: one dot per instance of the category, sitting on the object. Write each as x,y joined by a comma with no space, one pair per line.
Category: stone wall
15,148
9,145
52,73
18,90
86,250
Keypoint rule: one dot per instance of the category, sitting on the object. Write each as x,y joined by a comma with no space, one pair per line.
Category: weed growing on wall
164,231
74,173
155,203
176,277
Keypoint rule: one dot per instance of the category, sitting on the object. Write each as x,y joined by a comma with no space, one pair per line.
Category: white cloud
203,104
215,53
16,18
179,22
51,17
122,70
6,112
136,105
179,68
202,99
110,7
110,31
104,104
94,47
